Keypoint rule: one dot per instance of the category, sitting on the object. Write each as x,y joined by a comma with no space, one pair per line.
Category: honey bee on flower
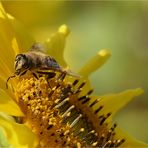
54,108
56,111
36,61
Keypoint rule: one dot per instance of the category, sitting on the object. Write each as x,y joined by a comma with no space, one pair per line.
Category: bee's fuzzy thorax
60,117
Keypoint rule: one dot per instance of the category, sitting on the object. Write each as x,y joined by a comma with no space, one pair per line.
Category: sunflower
55,109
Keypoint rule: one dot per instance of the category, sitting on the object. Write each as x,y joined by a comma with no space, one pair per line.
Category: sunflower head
47,103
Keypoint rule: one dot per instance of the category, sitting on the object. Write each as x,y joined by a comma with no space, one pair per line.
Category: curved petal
8,105
18,135
129,141
92,65
95,63
15,46
6,36
11,33
56,44
4,69
114,102
8,90
22,36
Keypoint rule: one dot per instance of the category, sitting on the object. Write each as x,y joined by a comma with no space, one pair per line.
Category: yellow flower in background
57,111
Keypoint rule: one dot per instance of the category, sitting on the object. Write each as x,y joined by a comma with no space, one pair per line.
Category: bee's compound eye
20,57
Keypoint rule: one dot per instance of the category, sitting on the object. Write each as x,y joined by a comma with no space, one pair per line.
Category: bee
37,61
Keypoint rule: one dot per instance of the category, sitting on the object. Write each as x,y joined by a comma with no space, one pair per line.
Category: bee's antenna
9,79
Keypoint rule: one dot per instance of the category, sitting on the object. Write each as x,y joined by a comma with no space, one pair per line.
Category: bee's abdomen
51,63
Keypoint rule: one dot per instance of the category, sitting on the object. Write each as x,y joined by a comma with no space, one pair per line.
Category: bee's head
21,63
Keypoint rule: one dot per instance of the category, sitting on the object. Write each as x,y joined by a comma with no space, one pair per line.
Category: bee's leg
23,73
49,74
35,75
8,80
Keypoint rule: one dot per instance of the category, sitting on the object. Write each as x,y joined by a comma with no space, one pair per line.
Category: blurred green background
121,27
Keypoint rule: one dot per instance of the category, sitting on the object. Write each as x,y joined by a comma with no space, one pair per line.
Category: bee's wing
71,73
37,47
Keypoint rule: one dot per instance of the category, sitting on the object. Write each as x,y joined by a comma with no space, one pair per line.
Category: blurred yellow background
121,27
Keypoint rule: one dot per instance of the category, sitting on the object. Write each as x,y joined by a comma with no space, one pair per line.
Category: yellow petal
15,46
3,86
18,135
6,35
23,38
8,105
30,13
56,44
95,63
64,30
4,70
129,141
13,37
113,102
92,65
